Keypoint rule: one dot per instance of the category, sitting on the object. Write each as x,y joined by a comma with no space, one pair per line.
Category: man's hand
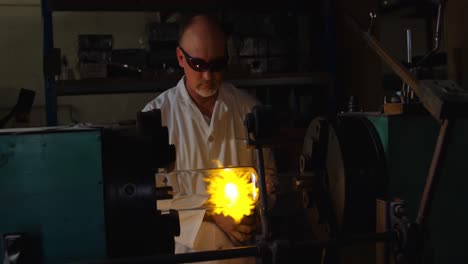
240,233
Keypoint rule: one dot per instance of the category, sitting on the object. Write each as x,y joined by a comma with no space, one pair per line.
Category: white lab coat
200,145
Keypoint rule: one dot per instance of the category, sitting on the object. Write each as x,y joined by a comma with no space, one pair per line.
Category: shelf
118,85
112,86
281,80
410,9
54,88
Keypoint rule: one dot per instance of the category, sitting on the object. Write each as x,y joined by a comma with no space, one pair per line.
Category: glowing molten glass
233,191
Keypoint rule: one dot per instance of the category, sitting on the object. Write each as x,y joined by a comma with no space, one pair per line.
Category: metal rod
263,193
437,34
427,196
431,103
405,88
348,240
409,46
49,81
266,249
249,251
394,63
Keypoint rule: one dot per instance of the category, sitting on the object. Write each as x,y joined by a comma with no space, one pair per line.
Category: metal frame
49,79
444,100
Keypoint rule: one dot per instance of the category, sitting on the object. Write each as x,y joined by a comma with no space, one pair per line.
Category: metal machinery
134,226
366,190
343,171
366,173
87,195
385,188
81,193
95,202
399,175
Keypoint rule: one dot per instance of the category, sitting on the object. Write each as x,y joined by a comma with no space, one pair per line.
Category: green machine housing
70,194
51,191
409,142
354,160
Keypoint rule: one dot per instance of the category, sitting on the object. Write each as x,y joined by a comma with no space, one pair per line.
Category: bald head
202,32
202,42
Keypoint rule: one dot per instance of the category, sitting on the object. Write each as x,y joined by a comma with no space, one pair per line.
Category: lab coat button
210,138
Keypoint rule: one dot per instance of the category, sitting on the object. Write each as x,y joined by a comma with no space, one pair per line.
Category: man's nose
207,75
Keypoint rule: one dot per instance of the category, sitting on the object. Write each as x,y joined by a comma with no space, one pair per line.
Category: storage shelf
54,88
128,85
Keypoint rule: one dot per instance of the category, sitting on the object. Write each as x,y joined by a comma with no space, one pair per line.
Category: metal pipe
426,199
409,47
249,251
348,240
268,249
431,102
263,194
409,57
48,48
391,61
437,34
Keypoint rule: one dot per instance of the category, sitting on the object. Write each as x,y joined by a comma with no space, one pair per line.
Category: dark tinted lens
201,65
198,65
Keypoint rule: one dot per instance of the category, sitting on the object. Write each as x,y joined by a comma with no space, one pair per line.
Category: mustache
210,82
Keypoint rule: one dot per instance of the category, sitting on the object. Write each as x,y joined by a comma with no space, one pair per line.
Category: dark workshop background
312,44
101,61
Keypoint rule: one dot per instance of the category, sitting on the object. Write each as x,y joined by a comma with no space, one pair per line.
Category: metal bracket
443,99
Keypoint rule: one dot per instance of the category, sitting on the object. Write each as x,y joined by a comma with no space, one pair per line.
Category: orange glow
233,191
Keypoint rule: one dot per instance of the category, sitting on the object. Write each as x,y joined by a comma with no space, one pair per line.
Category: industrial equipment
362,182
366,172
74,193
395,151
99,195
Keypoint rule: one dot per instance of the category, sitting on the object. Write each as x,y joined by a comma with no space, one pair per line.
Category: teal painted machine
353,163
409,142
77,194
51,190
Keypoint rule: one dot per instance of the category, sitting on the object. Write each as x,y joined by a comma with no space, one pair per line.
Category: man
204,116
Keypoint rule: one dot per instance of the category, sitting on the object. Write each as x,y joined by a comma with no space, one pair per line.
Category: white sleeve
149,106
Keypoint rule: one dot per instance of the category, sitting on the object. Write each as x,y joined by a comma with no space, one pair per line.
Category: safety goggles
201,65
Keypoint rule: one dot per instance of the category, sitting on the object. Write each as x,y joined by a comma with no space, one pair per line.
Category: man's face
203,65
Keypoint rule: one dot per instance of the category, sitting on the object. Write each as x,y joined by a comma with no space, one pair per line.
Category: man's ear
180,57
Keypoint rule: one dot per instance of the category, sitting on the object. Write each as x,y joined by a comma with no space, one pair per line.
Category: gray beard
206,92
